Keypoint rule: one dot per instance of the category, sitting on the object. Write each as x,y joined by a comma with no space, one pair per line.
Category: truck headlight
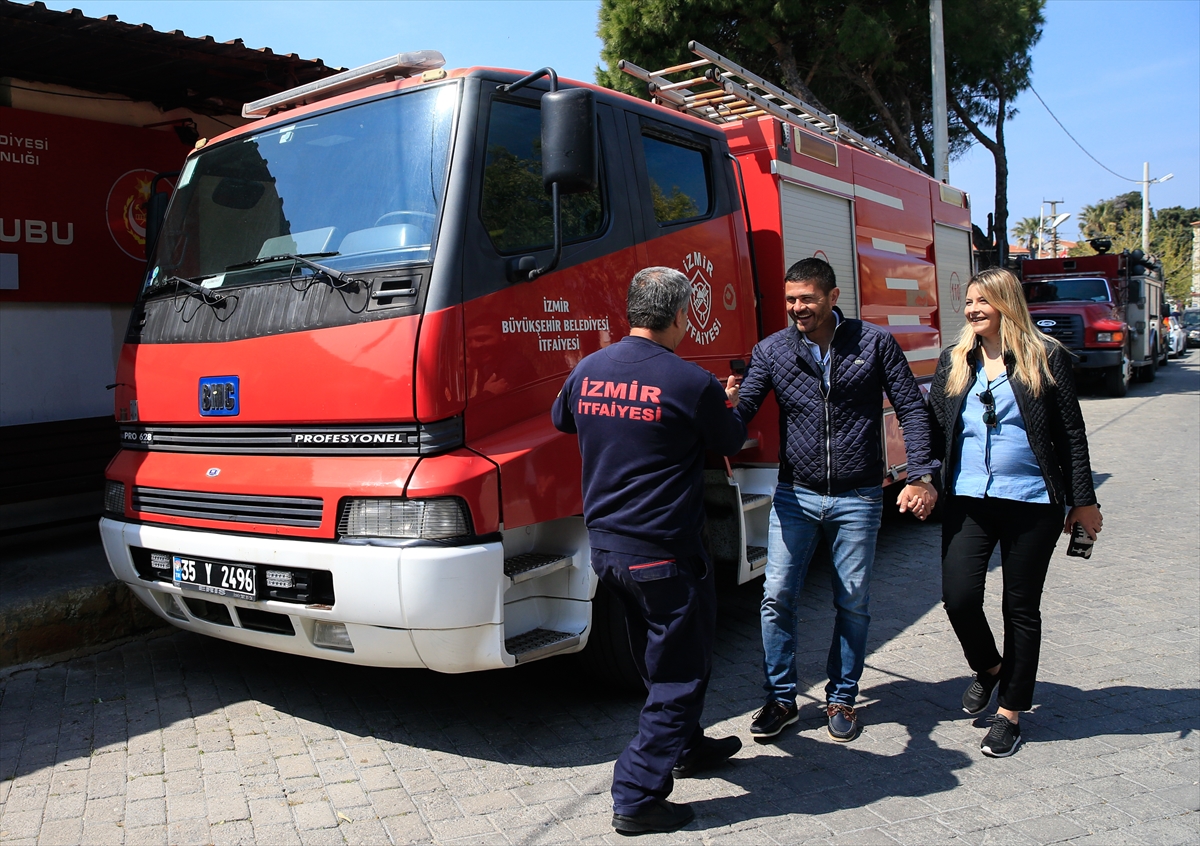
1104,337
114,497
433,519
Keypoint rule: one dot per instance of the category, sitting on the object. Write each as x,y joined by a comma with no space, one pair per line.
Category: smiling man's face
808,306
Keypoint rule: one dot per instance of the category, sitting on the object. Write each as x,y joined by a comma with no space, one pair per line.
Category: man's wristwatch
927,478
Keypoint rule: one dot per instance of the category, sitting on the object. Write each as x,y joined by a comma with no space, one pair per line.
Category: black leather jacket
1053,423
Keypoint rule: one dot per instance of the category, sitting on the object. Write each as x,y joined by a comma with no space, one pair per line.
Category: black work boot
659,816
710,753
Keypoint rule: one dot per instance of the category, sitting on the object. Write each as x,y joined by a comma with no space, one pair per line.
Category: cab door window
679,180
516,209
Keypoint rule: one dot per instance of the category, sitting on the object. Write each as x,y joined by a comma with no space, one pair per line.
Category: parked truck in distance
1106,308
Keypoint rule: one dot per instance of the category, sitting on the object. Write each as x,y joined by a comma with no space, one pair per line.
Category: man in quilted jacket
828,374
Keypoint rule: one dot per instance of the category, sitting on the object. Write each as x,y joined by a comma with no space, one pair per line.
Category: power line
1077,144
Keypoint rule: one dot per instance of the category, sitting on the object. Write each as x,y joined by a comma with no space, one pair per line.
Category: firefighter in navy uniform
644,418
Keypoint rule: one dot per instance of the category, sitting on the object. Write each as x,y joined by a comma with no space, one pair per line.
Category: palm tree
1109,217
1028,232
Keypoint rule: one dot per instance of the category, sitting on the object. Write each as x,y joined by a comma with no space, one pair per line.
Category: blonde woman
1015,457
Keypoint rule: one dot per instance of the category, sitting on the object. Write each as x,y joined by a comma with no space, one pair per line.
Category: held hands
1087,516
919,498
732,385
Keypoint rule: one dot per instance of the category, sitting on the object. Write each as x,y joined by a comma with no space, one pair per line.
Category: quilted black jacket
834,443
1053,423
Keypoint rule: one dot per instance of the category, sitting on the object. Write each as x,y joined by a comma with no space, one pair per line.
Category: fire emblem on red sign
126,211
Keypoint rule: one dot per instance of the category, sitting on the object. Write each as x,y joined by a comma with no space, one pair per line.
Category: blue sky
1122,75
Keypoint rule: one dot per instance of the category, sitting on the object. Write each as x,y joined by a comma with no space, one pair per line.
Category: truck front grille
381,439
1066,328
232,508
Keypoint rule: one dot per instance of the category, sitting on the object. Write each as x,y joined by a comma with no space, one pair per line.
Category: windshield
360,187
1190,319
1055,290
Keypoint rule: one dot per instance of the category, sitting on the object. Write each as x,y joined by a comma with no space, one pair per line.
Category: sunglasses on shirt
989,408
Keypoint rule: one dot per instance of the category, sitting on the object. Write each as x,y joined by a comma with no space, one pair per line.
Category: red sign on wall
72,221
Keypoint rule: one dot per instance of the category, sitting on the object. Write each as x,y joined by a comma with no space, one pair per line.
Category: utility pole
941,122
1053,227
1041,233
1146,182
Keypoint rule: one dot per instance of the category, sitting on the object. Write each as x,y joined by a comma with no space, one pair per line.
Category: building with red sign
91,111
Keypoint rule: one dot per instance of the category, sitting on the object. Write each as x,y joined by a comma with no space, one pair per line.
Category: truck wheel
608,657
1147,373
1116,379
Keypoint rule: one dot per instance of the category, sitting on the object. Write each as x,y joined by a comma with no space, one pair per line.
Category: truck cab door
687,202
522,338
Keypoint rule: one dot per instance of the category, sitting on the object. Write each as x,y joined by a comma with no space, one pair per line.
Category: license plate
222,579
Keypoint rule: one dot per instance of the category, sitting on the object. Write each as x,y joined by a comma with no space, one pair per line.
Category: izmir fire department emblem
703,325
126,211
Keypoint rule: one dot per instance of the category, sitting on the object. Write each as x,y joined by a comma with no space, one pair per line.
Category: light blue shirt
815,349
995,461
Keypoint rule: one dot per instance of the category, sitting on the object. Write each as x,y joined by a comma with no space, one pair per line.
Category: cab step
540,642
756,555
531,565
754,500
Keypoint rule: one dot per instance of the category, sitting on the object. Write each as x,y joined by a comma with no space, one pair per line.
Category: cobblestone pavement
183,739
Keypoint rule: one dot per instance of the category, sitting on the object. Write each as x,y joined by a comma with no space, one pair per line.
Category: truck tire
1116,379
608,657
1148,372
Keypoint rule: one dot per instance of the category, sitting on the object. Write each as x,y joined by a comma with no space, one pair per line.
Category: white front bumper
437,607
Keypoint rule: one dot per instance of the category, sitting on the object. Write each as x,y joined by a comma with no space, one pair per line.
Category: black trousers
1027,533
671,611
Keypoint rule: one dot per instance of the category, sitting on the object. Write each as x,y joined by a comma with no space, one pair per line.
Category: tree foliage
1028,232
1120,220
868,61
674,206
517,212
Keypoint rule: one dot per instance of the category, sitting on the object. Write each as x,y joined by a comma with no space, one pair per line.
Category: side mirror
1136,292
156,210
569,155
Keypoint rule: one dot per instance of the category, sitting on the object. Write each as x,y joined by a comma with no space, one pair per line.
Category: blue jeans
850,523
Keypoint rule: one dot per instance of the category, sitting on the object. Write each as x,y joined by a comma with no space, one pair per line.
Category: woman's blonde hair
1018,335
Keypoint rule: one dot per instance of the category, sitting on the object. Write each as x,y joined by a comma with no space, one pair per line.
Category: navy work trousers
671,612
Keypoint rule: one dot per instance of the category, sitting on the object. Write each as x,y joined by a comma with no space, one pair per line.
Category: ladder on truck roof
732,94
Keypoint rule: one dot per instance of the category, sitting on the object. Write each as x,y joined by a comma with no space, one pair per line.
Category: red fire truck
1107,309
335,386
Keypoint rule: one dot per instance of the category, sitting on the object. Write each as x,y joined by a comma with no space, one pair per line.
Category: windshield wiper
336,277
205,293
